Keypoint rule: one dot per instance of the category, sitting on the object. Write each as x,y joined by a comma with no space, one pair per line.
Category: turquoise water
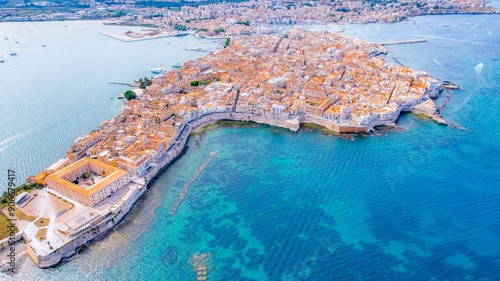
422,204
51,95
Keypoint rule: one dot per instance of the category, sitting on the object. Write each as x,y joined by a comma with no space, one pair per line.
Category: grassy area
42,222
18,190
4,230
22,216
41,234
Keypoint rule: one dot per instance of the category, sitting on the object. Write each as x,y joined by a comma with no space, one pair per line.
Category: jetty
342,29
185,188
403,42
120,83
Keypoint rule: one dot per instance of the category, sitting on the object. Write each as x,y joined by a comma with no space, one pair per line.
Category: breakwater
403,42
185,188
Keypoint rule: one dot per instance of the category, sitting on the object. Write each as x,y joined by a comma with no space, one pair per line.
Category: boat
180,34
12,53
2,60
177,65
159,70
44,46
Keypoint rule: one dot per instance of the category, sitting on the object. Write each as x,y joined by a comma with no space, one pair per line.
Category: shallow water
421,204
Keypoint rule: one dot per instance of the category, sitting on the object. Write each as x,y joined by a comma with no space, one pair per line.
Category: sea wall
292,124
181,136
205,120
68,250
333,126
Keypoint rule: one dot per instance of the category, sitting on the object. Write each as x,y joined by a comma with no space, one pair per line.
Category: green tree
146,82
130,95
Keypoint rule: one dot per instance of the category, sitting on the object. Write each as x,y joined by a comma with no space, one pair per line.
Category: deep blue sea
421,204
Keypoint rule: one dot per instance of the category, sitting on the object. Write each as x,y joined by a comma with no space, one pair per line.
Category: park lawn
22,216
42,222
4,230
41,234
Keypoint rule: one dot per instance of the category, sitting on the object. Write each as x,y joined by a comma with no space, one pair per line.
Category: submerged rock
170,255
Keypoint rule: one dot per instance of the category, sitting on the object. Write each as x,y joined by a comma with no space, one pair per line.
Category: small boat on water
44,46
159,70
12,53
177,65
2,60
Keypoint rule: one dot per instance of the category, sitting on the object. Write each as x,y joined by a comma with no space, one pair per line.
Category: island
331,80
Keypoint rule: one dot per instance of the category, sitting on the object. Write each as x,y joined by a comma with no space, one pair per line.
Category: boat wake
436,61
478,69
452,39
5,144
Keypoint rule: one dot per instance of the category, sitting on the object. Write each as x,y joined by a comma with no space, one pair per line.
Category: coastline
181,136
424,142
70,249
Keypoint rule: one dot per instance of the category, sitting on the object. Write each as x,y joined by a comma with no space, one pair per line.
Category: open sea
421,204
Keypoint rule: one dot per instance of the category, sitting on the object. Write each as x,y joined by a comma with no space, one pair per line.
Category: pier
342,29
185,188
403,42
120,83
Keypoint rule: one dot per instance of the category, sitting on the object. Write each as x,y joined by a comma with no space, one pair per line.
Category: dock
342,29
403,42
185,188
120,83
